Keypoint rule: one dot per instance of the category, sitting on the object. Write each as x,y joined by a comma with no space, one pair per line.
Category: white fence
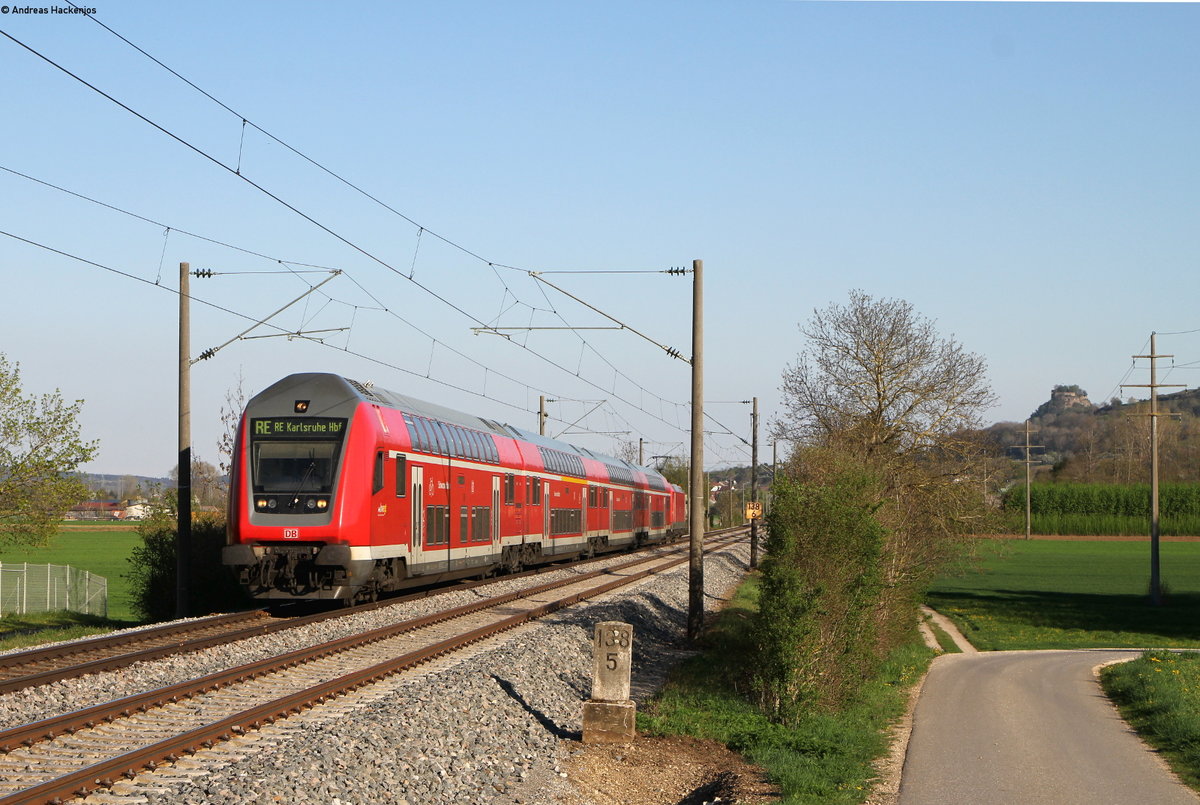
28,588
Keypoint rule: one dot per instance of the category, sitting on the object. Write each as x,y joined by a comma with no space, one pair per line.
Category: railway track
40,666
72,755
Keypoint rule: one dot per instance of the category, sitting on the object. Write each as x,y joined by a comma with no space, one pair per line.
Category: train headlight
312,504
322,504
260,503
271,504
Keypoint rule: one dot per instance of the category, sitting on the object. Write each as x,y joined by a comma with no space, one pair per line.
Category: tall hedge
820,593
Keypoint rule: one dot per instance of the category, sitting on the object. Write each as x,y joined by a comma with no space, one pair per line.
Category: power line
382,307
237,172
421,229
167,227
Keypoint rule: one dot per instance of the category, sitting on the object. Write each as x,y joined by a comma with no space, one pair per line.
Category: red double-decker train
342,491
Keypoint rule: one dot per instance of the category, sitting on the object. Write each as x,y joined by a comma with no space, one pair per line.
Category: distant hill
1110,442
123,487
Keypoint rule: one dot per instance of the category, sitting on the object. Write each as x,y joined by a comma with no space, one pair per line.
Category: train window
468,444
510,488
377,476
439,436
592,497
401,476
464,523
464,441
481,528
477,439
460,448
437,525
423,442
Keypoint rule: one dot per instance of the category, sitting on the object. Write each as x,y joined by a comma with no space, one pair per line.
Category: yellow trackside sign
754,510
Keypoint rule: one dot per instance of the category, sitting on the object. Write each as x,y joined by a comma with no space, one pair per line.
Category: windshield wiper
312,465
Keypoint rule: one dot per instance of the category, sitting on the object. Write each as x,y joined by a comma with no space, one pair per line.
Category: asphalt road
1026,728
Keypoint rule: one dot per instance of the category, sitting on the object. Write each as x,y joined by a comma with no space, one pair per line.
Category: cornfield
1106,509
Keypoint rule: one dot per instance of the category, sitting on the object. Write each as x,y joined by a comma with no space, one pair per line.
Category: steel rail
166,644
103,774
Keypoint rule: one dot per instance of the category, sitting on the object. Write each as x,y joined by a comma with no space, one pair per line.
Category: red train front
342,491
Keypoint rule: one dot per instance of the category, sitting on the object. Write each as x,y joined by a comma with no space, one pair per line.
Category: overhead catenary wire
287,263
236,172
286,332
421,229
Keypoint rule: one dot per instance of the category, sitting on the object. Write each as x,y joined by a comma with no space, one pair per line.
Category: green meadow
1048,594
100,549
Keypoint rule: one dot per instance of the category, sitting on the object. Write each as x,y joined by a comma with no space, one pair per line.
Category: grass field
101,549
1045,594
827,758
1159,694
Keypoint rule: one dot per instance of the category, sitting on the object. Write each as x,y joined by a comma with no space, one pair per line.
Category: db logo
291,533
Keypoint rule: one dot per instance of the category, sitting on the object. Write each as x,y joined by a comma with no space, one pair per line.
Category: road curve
1027,728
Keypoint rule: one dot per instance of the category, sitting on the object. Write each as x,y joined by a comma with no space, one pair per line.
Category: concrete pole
1155,584
699,495
754,483
183,531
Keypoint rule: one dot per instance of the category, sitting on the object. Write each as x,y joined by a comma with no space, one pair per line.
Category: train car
342,491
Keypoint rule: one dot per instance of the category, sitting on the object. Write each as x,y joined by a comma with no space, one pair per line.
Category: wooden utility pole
754,483
183,530
699,495
542,415
641,452
1154,386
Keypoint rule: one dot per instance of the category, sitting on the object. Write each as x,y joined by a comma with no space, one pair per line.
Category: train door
610,504
546,514
418,514
387,507
495,510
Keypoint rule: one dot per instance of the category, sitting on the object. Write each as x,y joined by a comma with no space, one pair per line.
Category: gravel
484,726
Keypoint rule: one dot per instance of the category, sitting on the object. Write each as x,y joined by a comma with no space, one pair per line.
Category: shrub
152,576
820,611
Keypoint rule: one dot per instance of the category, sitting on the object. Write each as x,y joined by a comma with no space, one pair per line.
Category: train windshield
292,456
294,467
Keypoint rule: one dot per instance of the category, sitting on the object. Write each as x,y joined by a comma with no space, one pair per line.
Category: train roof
368,392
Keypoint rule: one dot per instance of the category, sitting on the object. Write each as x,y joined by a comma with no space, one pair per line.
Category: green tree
40,451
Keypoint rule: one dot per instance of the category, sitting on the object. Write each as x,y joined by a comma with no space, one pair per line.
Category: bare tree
231,416
880,394
878,374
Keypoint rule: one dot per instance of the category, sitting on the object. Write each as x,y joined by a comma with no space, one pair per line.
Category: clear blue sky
1026,175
